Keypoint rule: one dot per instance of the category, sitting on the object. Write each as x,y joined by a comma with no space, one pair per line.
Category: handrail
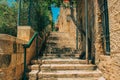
25,46
31,40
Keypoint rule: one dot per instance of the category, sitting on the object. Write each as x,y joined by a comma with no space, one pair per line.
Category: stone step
59,33
58,52
97,78
36,61
58,55
58,61
60,36
69,74
60,49
56,67
64,61
77,55
34,67
61,44
33,75
61,57
60,41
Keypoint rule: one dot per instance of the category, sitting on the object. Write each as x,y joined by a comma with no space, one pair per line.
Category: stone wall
114,21
12,55
110,65
65,22
91,25
25,33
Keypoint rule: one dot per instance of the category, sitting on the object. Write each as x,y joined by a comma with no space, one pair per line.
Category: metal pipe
76,38
86,25
24,75
77,26
37,47
72,14
19,11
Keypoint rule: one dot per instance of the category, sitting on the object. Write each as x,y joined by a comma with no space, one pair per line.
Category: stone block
33,74
25,32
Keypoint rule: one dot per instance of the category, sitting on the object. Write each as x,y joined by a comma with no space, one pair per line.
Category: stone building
103,34
93,21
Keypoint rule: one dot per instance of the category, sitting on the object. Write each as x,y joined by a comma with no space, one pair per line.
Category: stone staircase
59,45
60,63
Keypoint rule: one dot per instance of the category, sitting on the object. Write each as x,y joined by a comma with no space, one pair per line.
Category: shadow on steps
83,56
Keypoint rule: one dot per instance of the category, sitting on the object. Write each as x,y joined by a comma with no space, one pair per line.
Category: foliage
8,18
36,14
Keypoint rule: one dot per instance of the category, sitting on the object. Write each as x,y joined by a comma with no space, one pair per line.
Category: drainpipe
77,27
72,13
19,10
76,38
86,25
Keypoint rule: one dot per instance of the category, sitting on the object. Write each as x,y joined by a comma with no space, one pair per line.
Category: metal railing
25,46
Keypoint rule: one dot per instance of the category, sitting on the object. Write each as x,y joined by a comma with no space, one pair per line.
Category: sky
55,11
10,2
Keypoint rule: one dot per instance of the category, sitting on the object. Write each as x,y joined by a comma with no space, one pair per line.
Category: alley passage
60,62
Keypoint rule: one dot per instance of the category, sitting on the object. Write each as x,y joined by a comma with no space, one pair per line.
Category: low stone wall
12,54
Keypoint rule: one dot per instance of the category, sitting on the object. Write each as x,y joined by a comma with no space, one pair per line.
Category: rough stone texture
60,45
62,61
25,32
114,21
69,74
33,74
66,24
92,26
12,54
110,65
99,50
56,66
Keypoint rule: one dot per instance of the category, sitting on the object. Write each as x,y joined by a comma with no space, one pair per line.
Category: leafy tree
40,15
8,18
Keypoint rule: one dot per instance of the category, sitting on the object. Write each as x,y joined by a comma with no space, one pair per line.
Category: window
105,25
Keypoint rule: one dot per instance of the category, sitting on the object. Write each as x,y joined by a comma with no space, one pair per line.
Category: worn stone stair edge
68,74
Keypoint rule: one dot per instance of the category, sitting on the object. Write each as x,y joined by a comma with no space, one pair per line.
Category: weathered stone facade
92,23
12,53
11,50
65,22
108,64
111,66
